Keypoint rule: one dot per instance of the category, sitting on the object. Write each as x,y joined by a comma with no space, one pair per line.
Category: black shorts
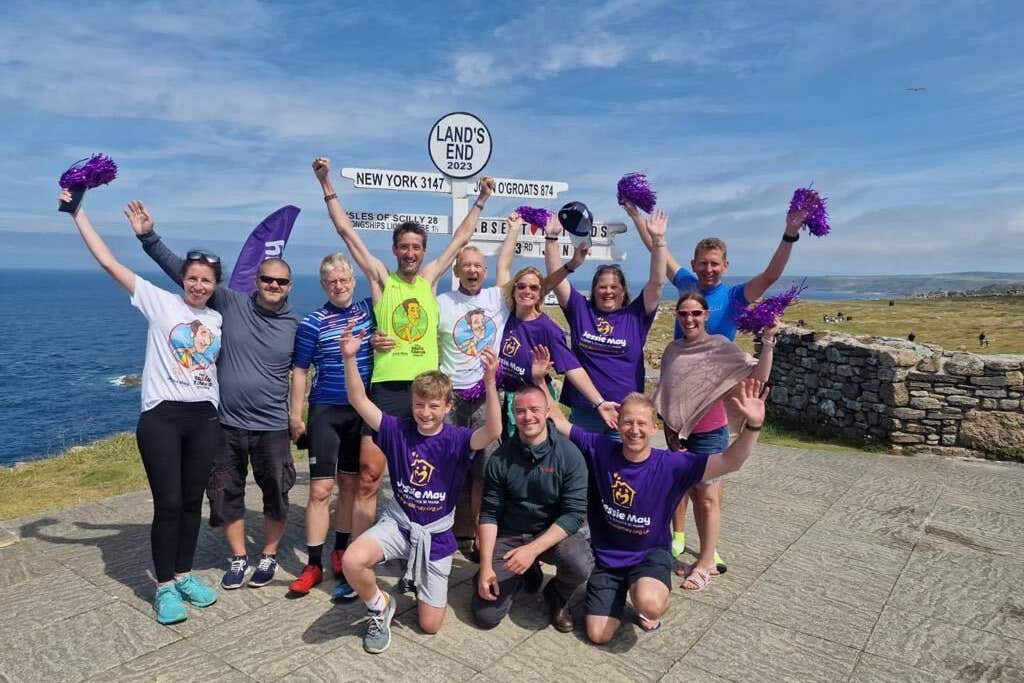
473,414
607,587
393,398
334,438
270,453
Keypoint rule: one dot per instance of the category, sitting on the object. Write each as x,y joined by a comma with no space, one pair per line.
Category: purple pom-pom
806,199
535,217
88,173
769,311
634,188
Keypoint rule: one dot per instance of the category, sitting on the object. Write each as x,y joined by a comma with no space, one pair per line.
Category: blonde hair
510,295
335,260
433,384
642,399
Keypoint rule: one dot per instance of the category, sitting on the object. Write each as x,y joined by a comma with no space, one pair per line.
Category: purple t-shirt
609,346
426,473
516,352
630,504
725,304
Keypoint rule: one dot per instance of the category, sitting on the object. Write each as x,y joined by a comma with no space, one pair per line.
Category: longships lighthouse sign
459,145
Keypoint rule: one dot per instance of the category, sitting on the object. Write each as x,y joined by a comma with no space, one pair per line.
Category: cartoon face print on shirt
409,320
474,332
194,345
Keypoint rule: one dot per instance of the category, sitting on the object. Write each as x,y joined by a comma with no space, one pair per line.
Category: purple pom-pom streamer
536,217
806,199
634,188
769,311
86,174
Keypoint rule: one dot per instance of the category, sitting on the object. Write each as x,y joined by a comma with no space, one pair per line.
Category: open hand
749,400
657,226
794,221
139,218
381,342
489,360
518,560
554,226
541,364
350,343
609,412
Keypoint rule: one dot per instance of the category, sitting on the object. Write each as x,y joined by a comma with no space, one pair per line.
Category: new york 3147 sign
460,145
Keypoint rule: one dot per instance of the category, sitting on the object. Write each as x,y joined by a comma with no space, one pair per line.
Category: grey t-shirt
256,351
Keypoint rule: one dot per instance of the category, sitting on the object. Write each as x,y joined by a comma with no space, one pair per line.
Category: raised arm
657,228
98,248
763,369
759,284
374,269
354,386
609,410
750,404
508,249
671,265
142,225
433,271
489,433
539,371
557,272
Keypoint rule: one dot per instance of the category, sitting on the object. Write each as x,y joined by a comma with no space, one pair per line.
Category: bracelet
749,428
790,238
568,269
549,238
767,343
478,204
599,404
329,197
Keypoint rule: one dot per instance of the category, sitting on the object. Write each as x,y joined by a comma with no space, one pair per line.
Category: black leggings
177,442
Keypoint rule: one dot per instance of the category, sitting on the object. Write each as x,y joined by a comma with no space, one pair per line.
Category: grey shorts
396,547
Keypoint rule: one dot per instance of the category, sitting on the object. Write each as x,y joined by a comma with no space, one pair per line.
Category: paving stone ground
842,567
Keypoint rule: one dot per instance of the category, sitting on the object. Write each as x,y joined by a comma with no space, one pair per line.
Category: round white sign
459,144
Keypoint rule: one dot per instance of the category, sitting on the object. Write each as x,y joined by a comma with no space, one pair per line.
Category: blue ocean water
77,334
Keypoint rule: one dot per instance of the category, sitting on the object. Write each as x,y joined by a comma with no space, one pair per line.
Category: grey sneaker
378,628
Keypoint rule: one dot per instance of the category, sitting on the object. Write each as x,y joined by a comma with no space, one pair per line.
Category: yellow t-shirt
408,314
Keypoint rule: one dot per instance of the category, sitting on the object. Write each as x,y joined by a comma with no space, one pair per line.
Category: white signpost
460,147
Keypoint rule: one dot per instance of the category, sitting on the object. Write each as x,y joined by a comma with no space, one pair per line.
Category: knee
355,560
369,482
599,635
431,624
651,606
319,495
708,502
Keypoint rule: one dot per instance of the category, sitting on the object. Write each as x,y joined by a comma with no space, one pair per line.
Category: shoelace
238,565
375,627
265,564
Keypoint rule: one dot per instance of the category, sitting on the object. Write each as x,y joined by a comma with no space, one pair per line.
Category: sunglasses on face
525,285
202,256
690,314
281,281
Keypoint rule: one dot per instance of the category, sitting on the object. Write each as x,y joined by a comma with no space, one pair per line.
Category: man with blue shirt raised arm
725,305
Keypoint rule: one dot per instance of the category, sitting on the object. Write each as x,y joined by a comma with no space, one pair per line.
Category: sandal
697,580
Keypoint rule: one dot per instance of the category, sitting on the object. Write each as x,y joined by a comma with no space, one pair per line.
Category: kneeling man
534,499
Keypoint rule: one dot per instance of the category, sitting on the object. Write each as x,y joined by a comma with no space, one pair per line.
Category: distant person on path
259,333
982,339
633,490
535,499
427,462
333,427
178,433
911,337
725,304
412,332
608,333
697,373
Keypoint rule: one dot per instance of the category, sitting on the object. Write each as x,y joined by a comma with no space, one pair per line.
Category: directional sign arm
374,269
508,252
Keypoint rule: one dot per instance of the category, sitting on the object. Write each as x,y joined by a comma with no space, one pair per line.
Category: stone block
938,378
930,364
908,414
989,403
827,407
924,402
869,397
1003,362
985,381
945,413
965,364
918,428
1009,404
962,401
992,430
948,439
948,390
905,438
895,394
1015,379
991,393
932,438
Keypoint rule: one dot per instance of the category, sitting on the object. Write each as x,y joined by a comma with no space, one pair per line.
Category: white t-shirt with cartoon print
467,325
181,348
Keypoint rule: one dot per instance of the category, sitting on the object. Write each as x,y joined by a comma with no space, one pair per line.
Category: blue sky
214,111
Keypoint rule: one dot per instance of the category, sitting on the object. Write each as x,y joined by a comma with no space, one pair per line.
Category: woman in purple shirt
608,332
529,327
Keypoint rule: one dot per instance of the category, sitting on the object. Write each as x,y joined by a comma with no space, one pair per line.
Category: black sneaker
234,577
405,585
264,574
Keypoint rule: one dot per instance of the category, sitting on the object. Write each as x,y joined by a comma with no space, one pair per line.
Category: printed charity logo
409,321
622,493
474,332
603,326
510,347
420,471
194,346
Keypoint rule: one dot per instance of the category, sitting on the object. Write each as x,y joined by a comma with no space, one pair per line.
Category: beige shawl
695,376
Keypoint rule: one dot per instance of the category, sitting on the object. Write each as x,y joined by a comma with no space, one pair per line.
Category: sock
161,584
341,539
240,557
272,556
678,543
316,555
378,603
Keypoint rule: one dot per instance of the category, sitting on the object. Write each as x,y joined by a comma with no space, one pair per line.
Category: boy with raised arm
427,460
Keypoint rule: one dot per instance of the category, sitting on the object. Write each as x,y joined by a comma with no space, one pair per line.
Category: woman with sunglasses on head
698,371
529,327
178,432
609,331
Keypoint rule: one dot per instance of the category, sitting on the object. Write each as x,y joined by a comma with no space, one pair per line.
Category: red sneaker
309,577
336,556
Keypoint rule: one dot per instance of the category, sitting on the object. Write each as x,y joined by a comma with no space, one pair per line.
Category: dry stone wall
895,392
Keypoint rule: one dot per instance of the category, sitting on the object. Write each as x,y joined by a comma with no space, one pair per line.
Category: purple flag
267,240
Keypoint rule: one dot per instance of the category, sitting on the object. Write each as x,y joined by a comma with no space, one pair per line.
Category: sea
78,342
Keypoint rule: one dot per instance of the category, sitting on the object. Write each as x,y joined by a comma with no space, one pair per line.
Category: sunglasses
690,314
202,256
282,281
524,285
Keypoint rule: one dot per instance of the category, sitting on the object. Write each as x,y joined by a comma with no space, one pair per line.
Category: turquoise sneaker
195,592
168,606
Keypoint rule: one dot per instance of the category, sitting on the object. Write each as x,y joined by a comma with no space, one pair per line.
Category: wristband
568,269
753,429
478,204
599,404
329,197
549,238
790,238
